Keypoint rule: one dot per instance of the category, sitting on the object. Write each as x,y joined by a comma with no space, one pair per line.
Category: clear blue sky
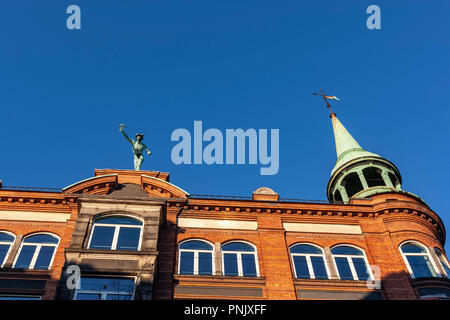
158,66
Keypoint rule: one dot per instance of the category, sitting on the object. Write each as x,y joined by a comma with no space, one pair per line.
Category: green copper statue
137,146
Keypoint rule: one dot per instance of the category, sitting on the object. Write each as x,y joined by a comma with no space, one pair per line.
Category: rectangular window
345,273
204,263
230,263
102,238
248,265
301,267
186,262
100,288
25,257
118,297
89,296
320,272
128,239
18,297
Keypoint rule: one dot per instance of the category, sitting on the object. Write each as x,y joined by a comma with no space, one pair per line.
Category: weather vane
326,97
137,147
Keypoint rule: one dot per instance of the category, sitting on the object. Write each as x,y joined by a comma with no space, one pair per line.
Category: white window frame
350,261
308,260
38,249
11,244
239,258
427,254
105,293
443,261
117,228
196,259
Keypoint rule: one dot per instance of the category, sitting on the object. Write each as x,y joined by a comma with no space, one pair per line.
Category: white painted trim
216,224
443,261
322,228
34,216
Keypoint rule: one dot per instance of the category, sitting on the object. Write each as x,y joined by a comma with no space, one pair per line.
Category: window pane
119,220
320,272
421,266
3,252
301,267
102,238
346,250
25,256
444,265
89,296
345,273
230,263
41,238
361,268
20,298
5,237
186,262
128,238
107,284
305,248
118,297
205,263
44,258
195,244
412,248
249,265
238,246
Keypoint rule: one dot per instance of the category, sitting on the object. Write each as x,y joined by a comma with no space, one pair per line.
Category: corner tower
358,173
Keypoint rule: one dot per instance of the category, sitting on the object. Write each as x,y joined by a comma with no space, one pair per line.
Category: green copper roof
347,149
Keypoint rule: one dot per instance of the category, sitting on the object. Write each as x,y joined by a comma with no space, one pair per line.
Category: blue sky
157,66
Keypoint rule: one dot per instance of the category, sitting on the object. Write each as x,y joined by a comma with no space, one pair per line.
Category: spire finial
326,97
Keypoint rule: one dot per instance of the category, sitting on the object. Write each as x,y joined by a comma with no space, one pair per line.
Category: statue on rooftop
137,147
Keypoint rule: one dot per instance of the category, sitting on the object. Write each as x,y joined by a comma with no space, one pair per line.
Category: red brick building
134,235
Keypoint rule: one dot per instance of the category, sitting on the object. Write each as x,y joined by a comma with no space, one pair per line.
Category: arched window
195,257
444,262
37,252
308,261
239,259
417,260
6,242
351,263
116,233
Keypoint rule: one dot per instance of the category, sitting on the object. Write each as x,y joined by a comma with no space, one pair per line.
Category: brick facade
377,225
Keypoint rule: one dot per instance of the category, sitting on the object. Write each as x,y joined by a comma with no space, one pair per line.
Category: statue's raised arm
122,127
137,146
